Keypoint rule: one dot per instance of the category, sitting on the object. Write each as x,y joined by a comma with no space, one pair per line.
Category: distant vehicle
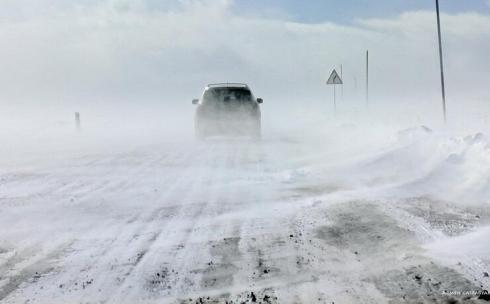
228,109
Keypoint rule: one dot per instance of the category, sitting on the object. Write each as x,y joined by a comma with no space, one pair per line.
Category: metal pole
441,62
367,77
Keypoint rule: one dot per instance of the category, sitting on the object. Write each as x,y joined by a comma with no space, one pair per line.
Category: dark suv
227,109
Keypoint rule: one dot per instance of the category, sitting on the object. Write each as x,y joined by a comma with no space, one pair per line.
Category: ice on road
235,221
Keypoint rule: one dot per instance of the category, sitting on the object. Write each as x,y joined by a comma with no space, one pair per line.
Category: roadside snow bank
455,169
469,252
408,163
454,249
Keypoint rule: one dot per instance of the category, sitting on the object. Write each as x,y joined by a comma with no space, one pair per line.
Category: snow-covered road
230,221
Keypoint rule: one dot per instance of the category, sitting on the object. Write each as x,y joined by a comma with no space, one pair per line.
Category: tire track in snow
132,242
221,264
179,252
187,157
180,223
34,269
214,237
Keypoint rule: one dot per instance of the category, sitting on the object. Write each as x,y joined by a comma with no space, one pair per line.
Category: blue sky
347,11
304,11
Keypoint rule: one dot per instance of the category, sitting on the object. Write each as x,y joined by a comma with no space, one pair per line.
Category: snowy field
350,213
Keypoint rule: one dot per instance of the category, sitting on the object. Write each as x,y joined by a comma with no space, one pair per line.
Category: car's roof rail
230,84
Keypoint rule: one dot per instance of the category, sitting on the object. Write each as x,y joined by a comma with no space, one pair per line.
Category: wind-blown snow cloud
137,50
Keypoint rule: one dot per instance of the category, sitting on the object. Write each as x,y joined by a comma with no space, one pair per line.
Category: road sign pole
334,80
441,62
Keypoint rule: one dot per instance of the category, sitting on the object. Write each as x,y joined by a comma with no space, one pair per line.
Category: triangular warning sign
334,78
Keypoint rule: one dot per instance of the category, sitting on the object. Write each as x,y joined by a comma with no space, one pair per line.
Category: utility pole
367,77
441,62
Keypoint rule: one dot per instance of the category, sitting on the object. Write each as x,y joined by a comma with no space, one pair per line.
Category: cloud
138,50
412,38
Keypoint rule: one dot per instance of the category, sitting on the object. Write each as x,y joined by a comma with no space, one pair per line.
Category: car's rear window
227,95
